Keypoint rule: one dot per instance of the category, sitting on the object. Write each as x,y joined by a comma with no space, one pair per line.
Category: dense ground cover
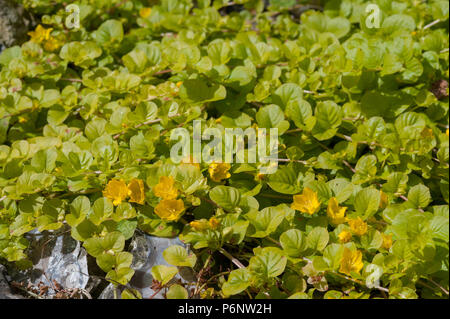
358,207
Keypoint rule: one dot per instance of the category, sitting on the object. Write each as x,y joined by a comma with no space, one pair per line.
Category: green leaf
241,76
163,273
397,22
127,228
332,255
300,112
396,183
365,168
9,54
86,229
145,111
113,242
101,210
293,242
317,238
284,181
219,52
282,3
238,281
131,294
409,124
391,64
44,160
268,263
372,240
141,146
135,61
271,116
341,188
108,261
329,117
79,208
110,31
286,93
367,202
57,115
440,227
120,276
339,26
177,292
237,232
198,91
299,295
265,222
178,256
80,53
419,196
225,196
52,214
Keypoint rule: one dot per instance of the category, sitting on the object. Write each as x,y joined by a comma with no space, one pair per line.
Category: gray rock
14,24
66,263
5,291
56,256
147,252
108,293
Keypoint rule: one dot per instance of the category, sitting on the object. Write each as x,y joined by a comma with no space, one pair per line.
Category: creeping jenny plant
358,207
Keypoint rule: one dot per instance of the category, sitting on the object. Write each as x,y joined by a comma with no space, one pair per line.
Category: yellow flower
387,241
358,226
335,212
179,83
214,223
219,171
165,188
52,44
446,132
345,236
116,190
145,12
384,200
204,224
136,191
40,34
351,261
169,209
307,202
199,225
22,119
